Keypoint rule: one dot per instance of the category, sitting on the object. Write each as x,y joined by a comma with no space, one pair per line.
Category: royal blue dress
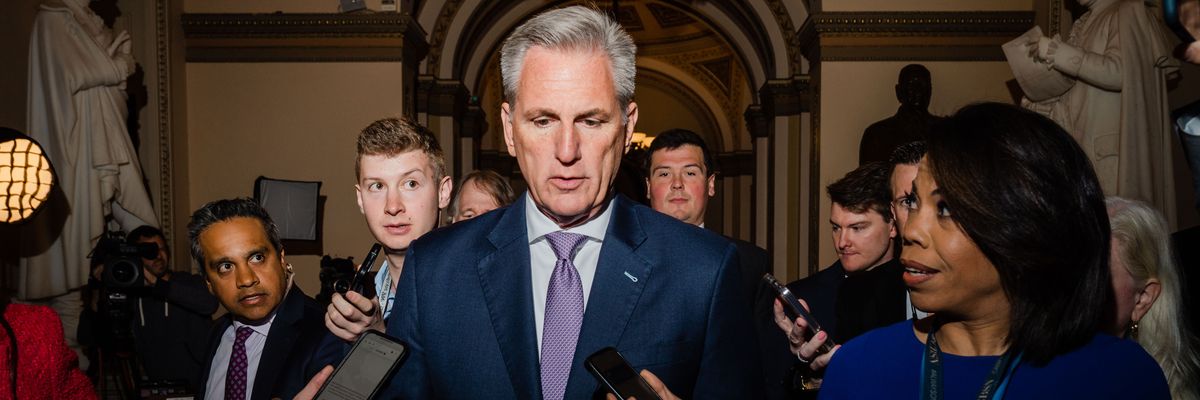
886,364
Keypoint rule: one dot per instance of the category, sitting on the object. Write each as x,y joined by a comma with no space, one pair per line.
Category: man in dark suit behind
863,289
508,305
262,348
681,180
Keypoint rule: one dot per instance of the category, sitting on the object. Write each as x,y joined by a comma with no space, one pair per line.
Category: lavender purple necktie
564,316
235,376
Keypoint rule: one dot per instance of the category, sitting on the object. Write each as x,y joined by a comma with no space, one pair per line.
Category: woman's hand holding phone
805,350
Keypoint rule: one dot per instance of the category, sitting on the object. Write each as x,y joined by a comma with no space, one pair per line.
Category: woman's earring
289,269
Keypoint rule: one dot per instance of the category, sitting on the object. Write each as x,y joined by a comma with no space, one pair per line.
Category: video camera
122,261
121,278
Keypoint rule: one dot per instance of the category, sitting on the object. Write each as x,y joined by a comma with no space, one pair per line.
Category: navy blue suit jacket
666,294
286,364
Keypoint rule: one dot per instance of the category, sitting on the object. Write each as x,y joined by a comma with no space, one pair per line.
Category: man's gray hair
572,28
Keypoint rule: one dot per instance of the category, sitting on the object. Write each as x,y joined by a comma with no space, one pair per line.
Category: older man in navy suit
510,304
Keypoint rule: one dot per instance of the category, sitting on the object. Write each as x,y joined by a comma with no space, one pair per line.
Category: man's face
902,178
156,266
679,185
473,201
862,240
244,271
566,131
400,197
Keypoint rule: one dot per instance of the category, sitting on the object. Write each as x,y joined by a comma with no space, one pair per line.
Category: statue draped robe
1117,108
77,112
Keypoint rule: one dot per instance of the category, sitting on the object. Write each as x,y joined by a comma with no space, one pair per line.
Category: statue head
914,87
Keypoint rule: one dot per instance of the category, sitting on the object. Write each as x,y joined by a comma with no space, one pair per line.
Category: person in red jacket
43,366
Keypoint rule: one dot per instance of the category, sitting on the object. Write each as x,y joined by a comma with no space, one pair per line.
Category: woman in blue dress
1007,245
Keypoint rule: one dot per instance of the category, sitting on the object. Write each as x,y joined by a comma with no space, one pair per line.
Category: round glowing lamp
25,176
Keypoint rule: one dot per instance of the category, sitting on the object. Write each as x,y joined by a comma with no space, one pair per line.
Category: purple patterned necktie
564,316
235,376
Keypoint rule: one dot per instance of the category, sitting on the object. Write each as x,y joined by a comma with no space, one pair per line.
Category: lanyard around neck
931,372
385,302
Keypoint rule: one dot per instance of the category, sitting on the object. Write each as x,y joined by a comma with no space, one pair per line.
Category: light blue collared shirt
1189,124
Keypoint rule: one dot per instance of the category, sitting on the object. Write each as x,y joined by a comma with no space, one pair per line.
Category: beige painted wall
16,23
290,121
856,94
926,5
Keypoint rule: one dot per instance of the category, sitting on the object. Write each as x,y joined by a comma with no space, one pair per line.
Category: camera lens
341,286
125,273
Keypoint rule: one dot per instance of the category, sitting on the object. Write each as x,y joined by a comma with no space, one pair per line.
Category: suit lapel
280,339
214,342
621,274
504,276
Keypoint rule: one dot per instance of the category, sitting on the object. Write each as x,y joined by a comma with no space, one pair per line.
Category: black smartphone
1177,13
614,373
359,282
793,309
370,364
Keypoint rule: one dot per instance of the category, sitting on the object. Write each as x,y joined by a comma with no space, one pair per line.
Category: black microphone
359,282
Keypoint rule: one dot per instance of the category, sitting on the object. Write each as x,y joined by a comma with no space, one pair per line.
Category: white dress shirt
542,258
220,363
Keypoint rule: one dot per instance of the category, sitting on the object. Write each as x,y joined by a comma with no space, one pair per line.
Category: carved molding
162,63
780,97
474,122
729,97
904,36
441,97
780,12
303,37
757,121
1056,9
438,39
690,99
738,163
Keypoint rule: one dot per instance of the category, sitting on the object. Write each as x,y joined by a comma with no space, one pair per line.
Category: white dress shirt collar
215,389
542,258
538,225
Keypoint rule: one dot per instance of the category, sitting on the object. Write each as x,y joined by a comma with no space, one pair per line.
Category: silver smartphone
793,309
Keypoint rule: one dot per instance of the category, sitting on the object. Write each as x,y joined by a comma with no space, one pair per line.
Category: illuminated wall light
641,140
26,176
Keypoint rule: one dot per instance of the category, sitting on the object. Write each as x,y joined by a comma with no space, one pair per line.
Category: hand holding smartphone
364,371
793,309
614,373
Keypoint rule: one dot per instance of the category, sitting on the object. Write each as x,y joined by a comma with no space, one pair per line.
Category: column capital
782,97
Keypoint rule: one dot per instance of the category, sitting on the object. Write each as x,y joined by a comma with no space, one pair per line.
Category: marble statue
1106,85
77,111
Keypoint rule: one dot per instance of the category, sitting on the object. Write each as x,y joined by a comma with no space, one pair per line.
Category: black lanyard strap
931,372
